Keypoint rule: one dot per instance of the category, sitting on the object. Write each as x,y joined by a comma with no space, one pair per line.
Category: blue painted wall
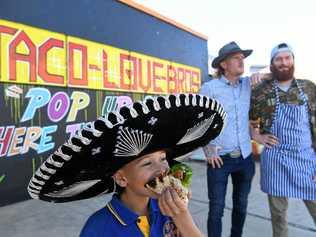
106,21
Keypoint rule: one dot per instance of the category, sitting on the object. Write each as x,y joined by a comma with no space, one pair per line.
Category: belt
233,154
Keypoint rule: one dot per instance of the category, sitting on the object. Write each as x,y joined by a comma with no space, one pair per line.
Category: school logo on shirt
170,230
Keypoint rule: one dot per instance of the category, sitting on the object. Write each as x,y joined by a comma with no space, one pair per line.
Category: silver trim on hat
52,162
84,140
156,104
72,146
194,100
131,142
60,153
106,121
73,189
187,100
197,131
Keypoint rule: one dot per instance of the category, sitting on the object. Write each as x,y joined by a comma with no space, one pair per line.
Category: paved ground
39,219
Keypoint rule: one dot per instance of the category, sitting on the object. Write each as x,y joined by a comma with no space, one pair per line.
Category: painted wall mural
35,120
43,107
52,84
39,57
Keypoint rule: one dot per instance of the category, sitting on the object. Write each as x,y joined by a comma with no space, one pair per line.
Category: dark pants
242,172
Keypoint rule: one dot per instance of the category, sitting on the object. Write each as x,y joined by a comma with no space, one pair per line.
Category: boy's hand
170,203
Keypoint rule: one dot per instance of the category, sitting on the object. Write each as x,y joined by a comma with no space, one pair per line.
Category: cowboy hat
227,50
83,166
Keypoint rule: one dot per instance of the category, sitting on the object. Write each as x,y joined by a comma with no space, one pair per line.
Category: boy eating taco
123,153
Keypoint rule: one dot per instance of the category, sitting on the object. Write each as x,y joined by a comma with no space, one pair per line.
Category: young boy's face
137,173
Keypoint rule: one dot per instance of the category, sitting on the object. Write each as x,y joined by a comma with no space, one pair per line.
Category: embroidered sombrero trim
130,142
197,131
44,173
73,189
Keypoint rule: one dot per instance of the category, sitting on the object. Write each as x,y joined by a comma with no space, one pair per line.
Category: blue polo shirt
116,220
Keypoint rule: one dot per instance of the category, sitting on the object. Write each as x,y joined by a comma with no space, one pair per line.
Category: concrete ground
34,218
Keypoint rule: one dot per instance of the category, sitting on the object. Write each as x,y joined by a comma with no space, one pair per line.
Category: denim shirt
236,102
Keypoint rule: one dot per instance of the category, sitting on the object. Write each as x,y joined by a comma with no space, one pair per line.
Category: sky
253,24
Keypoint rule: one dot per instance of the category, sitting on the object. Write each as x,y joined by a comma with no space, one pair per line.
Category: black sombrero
83,166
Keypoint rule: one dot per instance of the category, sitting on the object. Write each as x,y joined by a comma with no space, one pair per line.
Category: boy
127,149
135,205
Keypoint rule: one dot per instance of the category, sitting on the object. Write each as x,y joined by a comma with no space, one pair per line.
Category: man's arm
255,114
268,140
211,150
258,78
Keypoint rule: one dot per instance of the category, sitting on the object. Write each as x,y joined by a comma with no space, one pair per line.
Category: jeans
242,172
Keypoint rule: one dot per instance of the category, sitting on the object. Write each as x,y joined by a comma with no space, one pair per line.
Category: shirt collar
292,85
227,82
123,214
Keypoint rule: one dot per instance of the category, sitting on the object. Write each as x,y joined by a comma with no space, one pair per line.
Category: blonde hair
219,72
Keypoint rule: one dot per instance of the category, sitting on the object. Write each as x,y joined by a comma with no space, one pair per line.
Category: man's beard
282,75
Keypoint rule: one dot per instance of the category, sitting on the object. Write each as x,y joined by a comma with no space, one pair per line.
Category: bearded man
285,108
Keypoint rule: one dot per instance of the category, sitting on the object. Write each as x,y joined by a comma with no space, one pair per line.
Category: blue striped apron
287,169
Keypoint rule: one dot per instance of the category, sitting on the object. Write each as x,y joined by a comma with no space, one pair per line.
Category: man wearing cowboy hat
230,153
129,148
286,109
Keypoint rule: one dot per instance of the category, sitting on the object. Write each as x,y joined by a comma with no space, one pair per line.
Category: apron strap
303,96
277,103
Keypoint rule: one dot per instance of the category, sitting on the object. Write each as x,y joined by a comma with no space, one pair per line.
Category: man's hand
268,140
215,161
212,157
257,78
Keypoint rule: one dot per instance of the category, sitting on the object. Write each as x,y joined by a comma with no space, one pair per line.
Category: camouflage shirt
263,103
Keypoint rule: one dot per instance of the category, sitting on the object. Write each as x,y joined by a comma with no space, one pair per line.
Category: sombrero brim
217,60
83,166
